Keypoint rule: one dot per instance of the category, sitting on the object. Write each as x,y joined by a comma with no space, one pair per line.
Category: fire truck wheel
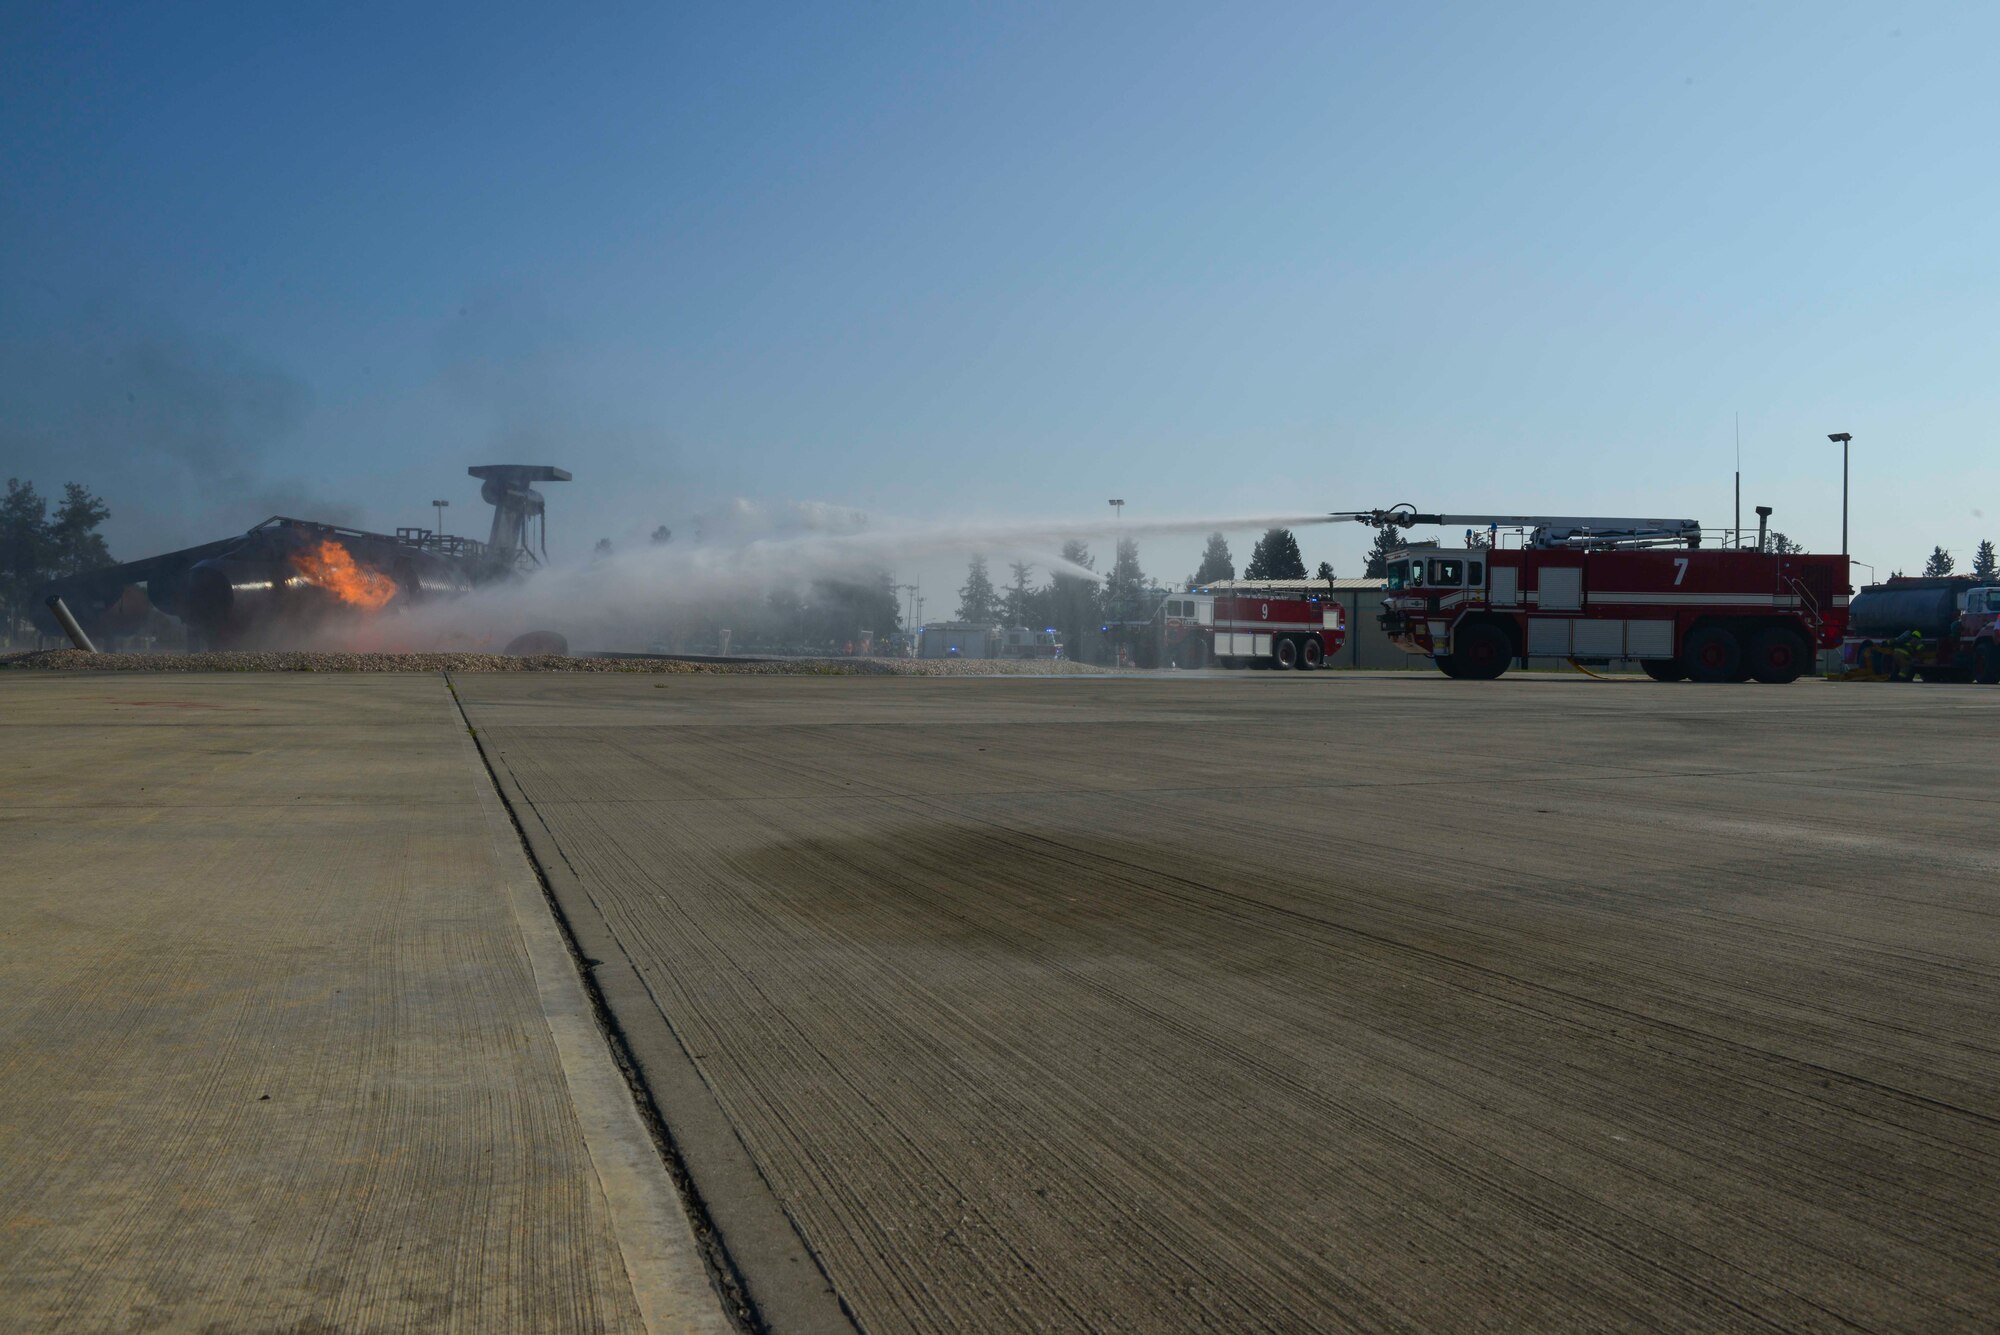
1986,664
1779,655
1712,653
1311,655
1193,655
1663,669
1481,652
1284,654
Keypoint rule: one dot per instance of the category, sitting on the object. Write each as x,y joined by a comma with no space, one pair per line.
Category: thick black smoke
184,435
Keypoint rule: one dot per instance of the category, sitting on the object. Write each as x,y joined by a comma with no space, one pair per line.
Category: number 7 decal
1680,570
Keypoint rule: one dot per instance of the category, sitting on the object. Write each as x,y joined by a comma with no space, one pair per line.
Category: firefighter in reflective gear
1906,647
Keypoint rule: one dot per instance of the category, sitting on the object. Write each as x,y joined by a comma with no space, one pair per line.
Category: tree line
1082,610
38,545
1942,563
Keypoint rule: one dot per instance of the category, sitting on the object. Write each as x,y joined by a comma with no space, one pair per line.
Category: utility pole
1843,438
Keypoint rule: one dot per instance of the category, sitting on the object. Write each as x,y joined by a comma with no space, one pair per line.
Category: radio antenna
1736,533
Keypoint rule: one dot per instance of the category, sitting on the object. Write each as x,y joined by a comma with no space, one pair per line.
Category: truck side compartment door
1561,589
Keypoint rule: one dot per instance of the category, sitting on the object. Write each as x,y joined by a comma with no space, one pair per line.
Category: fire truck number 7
1680,569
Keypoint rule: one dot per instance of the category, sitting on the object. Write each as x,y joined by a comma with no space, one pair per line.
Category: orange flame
333,568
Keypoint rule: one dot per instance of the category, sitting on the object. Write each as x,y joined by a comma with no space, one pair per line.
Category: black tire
1711,654
1481,652
1663,669
1986,664
1312,654
1192,655
1284,654
1445,666
1779,655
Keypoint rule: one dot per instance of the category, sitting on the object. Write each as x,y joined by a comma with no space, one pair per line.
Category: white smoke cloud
744,552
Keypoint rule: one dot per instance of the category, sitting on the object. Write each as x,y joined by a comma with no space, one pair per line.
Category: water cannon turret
517,507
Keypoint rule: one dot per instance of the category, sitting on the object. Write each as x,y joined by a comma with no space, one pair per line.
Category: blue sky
937,260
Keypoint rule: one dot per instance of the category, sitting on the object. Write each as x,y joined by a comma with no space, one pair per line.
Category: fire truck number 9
1264,610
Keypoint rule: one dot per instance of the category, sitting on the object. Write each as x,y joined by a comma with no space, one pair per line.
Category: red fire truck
1595,590
1241,625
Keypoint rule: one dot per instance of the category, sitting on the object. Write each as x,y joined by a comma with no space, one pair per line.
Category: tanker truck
1948,626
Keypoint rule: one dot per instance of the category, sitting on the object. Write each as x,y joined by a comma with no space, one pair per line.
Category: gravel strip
75,660
981,667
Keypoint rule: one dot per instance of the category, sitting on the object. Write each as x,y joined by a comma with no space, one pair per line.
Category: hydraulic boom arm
1549,530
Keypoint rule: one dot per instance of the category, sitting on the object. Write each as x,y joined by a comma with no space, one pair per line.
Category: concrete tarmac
288,1037
1286,1002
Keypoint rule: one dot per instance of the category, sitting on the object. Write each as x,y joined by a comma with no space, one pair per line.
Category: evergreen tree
1038,609
784,623
1216,562
1019,596
1940,563
843,610
1123,590
1325,571
36,547
1276,556
1387,540
978,601
75,545
1983,564
24,548
1073,603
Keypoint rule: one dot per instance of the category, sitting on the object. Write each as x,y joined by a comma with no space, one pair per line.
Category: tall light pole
1843,437
440,505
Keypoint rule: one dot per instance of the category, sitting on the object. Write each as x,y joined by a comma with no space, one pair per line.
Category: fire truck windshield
1426,574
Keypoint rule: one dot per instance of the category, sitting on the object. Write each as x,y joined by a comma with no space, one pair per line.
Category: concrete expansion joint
727,1290
725,1277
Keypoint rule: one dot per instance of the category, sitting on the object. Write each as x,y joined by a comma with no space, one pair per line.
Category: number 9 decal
1264,609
